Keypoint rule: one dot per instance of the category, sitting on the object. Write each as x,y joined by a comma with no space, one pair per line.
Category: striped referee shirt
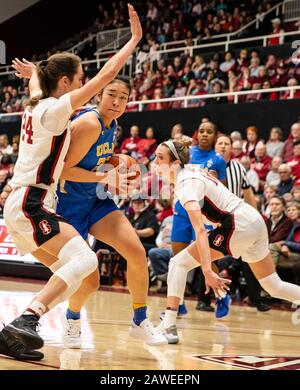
236,177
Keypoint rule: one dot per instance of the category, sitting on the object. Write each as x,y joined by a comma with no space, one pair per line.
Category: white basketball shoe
170,333
146,332
72,333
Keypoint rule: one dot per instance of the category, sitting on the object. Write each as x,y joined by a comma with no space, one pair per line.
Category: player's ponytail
50,71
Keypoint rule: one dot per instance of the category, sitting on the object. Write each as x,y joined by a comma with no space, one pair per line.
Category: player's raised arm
112,67
27,70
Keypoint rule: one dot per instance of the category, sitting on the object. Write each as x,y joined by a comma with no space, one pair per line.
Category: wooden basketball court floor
244,340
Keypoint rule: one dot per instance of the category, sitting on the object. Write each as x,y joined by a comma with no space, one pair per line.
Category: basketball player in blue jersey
79,204
204,156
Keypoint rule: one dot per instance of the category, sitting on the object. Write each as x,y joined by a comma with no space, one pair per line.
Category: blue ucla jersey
208,159
98,155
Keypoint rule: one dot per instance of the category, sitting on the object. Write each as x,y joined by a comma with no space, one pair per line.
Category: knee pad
179,266
280,289
78,259
271,284
56,266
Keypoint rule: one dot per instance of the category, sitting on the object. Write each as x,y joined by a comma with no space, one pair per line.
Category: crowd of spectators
186,76
173,20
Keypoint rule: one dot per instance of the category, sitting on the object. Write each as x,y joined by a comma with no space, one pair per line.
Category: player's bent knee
179,266
80,261
185,260
138,252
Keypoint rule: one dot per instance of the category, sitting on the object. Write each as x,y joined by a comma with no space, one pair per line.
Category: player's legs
78,261
77,292
182,233
179,266
115,230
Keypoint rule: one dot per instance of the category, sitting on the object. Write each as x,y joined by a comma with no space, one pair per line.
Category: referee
237,182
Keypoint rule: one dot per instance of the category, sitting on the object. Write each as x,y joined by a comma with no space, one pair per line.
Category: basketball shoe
12,348
72,333
170,333
23,329
146,332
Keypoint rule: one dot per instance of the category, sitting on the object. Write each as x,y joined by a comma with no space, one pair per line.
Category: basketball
126,164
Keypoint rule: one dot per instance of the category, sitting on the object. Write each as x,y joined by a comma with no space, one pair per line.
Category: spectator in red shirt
119,139
245,81
287,94
252,139
280,78
164,209
270,96
271,65
242,61
147,146
130,145
287,152
261,163
133,98
294,162
276,40
157,105
237,150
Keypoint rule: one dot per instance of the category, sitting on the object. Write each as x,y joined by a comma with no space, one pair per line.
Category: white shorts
244,235
30,217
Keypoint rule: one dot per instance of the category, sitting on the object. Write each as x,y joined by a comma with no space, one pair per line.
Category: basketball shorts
241,234
182,228
30,217
83,213
248,237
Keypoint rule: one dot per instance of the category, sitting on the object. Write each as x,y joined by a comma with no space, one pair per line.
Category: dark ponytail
50,71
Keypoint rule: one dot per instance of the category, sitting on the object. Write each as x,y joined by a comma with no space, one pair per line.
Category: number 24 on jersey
27,132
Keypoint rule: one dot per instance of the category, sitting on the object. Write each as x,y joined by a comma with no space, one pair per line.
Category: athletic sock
170,317
35,308
72,315
139,313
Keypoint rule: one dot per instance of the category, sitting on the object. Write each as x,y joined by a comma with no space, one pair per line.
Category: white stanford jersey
216,201
44,142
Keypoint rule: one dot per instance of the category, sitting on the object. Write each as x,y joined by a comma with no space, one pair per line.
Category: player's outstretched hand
24,68
218,284
135,24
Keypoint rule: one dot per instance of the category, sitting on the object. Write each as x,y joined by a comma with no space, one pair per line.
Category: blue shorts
83,213
182,229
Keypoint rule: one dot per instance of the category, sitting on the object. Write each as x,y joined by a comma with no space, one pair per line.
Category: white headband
171,146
